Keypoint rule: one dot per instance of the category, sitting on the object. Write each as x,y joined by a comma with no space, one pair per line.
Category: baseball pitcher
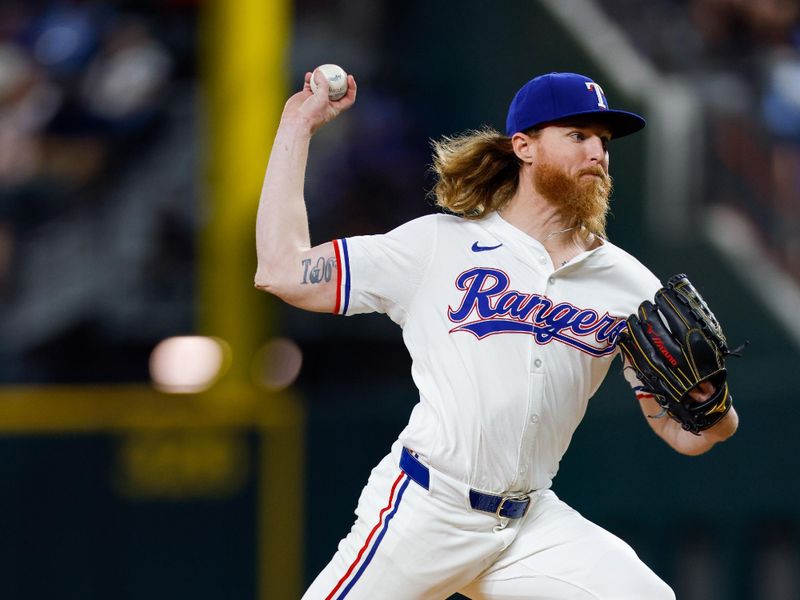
513,305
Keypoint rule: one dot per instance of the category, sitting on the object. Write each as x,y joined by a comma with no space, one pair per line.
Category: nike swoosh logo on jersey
477,248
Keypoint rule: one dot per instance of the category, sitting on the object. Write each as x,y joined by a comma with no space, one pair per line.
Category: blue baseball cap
558,96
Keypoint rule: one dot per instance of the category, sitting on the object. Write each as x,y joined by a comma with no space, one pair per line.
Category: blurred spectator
733,28
757,44
781,101
743,59
124,85
86,91
28,102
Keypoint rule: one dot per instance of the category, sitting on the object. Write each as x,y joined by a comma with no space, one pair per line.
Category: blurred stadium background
168,432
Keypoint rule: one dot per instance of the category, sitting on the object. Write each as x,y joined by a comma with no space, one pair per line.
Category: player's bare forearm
683,441
287,264
282,222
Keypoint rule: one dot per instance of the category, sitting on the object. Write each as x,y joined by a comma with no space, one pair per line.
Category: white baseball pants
409,543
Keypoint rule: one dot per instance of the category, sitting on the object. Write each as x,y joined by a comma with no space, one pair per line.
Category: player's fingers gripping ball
674,346
337,81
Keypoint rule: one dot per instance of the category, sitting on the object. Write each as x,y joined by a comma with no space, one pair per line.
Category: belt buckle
513,499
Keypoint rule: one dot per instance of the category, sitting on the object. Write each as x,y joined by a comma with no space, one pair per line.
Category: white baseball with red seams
337,80
507,349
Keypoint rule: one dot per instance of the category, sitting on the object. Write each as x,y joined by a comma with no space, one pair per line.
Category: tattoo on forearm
322,270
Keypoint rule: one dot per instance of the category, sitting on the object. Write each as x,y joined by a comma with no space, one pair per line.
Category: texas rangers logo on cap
601,96
556,97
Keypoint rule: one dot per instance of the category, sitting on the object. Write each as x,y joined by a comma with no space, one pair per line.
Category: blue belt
511,507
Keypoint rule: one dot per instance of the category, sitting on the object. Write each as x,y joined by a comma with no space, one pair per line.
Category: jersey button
542,259
534,418
551,281
537,363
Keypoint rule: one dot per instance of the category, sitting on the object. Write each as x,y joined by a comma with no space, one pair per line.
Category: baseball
337,80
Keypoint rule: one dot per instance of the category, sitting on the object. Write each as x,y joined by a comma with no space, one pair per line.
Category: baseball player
511,307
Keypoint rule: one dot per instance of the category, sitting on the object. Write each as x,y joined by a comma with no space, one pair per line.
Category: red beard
582,200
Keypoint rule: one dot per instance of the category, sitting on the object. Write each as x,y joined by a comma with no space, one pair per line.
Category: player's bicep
307,280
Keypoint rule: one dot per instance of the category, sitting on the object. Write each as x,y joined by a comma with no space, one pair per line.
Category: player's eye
577,136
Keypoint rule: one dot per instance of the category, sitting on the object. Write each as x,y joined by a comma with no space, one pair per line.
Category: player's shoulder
629,271
439,219
419,226
430,224
425,221
418,235
622,257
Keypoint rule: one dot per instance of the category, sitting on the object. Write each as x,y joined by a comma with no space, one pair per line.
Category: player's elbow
265,286
689,444
262,280
276,288
317,298
693,449
276,271
268,279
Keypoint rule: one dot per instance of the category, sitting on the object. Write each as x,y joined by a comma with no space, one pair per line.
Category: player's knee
638,581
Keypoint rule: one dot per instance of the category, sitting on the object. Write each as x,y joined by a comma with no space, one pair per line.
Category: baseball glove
674,345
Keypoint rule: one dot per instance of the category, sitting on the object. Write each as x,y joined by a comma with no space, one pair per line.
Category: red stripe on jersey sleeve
338,304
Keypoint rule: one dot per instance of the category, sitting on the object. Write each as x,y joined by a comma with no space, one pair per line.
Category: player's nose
595,149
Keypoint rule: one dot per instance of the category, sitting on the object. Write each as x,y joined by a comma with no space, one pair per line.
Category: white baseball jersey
507,348
506,352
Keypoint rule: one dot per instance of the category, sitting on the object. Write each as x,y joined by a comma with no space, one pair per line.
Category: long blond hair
477,172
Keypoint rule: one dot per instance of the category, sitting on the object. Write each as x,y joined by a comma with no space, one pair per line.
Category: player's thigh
406,544
560,555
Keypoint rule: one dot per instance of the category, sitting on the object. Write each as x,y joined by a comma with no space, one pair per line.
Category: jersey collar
527,244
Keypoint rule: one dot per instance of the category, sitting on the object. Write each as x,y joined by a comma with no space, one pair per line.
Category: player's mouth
597,172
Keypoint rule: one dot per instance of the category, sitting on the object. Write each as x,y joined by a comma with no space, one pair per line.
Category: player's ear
524,146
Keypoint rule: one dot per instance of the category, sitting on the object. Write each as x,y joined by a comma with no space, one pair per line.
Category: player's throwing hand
317,109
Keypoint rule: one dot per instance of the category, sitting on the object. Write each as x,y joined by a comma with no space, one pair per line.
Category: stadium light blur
188,364
277,364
